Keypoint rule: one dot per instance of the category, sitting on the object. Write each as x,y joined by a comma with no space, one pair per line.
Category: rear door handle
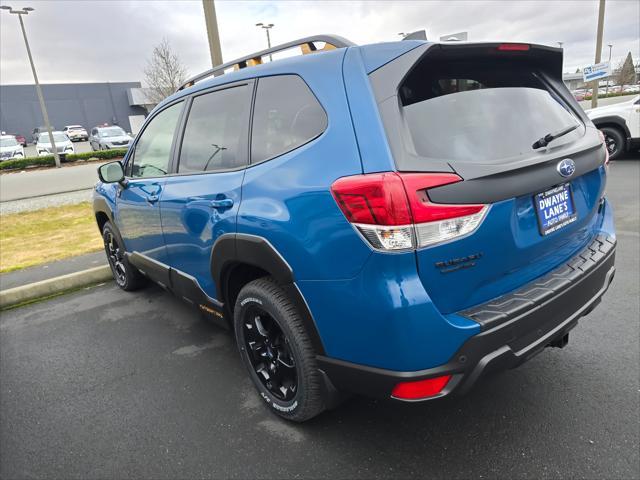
151,199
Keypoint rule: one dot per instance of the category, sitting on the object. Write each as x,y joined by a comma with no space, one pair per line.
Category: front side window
216,131
153,150
286,116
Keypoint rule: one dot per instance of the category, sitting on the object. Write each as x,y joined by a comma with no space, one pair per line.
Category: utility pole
610,47
212,32
594,84
45,115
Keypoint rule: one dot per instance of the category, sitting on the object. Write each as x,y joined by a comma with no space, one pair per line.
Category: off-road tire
266,295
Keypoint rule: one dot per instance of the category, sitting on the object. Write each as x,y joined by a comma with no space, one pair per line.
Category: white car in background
63,144
76,133
10,148
620,124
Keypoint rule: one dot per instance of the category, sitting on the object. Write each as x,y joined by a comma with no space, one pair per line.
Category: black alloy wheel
614,141
115,257
270,354
127,277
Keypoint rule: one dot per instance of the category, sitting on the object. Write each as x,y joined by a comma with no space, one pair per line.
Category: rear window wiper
550,137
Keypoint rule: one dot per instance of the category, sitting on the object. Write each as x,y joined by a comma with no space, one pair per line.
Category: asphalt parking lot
107,384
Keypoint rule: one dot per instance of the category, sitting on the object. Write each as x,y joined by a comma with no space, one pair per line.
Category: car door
201,201
137,205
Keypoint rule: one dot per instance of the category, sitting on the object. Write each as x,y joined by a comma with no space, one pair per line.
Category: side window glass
215,133
286,116
153,149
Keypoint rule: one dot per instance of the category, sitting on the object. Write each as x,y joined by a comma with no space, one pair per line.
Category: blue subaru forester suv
394,220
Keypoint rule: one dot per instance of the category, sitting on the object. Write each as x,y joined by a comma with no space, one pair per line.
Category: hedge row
49,161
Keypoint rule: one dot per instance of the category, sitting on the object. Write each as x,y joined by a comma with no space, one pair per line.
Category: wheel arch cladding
613,121
237,259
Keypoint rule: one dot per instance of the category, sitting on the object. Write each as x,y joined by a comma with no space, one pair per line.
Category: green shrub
48,161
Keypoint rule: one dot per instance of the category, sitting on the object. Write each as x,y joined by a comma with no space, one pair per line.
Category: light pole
267,27
45,116
610,47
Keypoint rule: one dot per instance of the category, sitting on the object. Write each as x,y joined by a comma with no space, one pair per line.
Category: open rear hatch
490,131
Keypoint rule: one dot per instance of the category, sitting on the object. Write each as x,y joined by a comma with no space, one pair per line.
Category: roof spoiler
306,45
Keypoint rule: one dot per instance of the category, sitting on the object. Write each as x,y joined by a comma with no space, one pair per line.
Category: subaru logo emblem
566,167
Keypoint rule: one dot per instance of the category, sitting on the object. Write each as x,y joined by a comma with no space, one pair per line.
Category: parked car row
586,93
75,133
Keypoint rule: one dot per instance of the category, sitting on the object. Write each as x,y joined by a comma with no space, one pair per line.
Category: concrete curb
51,286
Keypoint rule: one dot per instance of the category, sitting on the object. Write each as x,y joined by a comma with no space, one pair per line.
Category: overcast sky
91,41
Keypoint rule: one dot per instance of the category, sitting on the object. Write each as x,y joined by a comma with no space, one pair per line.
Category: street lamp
45,116
560,44
267,27
610,47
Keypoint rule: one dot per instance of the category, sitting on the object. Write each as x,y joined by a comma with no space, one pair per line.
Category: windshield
112,132
8,142
58,137
75,127
477,114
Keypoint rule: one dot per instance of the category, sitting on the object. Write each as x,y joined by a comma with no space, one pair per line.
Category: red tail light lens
393,210
420,389
513,47
376,199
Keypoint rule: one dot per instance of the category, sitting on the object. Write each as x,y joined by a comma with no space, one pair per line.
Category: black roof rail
306,45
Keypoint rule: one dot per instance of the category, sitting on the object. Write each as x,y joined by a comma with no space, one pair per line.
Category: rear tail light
393,211
420,389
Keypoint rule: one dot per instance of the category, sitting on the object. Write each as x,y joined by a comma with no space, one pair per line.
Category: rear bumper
515,327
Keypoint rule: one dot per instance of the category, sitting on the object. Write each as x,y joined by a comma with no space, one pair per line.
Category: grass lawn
32,238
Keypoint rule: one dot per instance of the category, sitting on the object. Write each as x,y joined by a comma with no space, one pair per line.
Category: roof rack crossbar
306,44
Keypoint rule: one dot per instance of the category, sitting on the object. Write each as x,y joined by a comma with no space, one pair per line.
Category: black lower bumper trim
506,344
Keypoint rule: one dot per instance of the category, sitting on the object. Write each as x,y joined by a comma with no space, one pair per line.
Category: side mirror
111,172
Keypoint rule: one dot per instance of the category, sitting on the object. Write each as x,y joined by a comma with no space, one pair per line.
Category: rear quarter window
286,116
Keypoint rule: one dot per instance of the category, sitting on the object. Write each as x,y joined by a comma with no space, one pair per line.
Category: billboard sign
596,72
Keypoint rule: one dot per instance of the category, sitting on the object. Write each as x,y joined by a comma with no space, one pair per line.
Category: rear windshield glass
477,113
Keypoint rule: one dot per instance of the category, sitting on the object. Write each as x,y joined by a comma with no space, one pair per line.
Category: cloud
75,41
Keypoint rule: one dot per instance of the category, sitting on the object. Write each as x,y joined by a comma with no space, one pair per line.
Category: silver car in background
107,137
63,144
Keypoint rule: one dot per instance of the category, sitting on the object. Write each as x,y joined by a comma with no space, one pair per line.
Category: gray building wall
86,104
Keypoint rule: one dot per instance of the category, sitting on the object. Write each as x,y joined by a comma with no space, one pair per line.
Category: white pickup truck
620,124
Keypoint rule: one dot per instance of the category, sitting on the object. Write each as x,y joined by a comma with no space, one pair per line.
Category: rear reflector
513,47
420,389
393,211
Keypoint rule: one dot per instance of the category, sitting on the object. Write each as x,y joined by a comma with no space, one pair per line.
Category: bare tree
164,72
